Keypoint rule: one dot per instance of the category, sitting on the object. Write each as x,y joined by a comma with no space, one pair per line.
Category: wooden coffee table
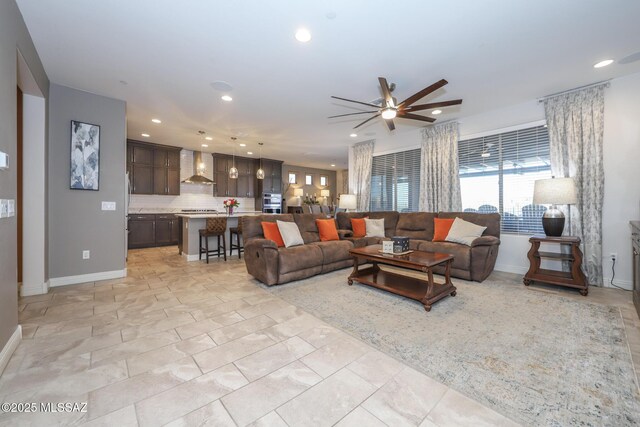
426,291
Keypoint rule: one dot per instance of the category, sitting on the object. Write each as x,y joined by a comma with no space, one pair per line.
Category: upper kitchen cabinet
246,184
153,169
272,182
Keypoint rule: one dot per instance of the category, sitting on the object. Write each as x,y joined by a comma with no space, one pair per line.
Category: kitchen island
191,223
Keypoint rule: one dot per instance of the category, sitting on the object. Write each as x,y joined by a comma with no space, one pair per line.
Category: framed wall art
85,156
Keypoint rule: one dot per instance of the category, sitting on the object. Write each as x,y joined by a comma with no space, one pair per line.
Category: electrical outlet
4,208
86,254
613,256
108,206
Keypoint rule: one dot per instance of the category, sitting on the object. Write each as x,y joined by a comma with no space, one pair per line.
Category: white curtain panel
361,184
345,182
576,127
439,180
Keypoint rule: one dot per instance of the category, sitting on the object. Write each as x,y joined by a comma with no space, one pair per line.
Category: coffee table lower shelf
406,286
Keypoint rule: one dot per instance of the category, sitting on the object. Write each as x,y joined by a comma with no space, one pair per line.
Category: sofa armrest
261,260
344,233
485,241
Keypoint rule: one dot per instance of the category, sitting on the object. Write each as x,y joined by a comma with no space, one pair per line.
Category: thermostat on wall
4,160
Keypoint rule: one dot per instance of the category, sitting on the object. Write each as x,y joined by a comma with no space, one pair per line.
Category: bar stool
238,232
215,227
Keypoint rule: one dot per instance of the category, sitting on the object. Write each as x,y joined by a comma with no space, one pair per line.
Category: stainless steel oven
272,203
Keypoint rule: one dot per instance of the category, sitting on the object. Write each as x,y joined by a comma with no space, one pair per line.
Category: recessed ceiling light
205,145
353,135
243,145
249,152
226,98
208,138
333,166
303,35
436,112
156,120
603,63
146,135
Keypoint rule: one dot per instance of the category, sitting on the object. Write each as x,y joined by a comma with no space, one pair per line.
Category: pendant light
260,171
233,172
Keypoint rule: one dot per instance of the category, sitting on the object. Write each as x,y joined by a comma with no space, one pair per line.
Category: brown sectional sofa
272,265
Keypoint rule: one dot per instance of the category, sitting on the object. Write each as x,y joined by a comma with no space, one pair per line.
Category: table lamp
348,201
554,191
298,192
325,194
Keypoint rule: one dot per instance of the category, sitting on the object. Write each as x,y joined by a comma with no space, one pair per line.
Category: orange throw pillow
327,229
441,228
359,227
271,232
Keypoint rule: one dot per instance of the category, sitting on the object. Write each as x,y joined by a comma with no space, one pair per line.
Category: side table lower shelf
574,278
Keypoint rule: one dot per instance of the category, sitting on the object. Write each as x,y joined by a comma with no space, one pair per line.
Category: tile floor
189,344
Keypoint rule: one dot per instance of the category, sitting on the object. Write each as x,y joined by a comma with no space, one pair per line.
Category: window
497,173
308,179
324,180
395,182
293,177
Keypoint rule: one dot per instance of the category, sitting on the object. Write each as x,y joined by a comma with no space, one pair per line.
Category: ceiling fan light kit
389,109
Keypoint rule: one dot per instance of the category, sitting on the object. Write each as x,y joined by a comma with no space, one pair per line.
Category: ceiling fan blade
433,105
416,117
385,90
352,114
357,102
368,120
424,92
390,124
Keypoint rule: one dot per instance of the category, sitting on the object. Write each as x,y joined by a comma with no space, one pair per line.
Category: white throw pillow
464,232
374,227
290,233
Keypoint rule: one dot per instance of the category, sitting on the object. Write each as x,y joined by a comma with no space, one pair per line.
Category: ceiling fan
390,109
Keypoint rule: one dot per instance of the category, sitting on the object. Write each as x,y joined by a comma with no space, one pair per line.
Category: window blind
395,182
497,173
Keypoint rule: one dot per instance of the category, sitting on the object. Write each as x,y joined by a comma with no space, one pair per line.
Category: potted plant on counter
229,204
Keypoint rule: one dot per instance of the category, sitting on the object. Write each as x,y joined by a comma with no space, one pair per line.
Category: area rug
537,358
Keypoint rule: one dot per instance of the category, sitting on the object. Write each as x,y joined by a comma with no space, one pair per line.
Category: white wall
622,173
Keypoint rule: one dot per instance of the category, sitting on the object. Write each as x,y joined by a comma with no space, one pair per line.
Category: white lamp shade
348,201
555,191
298,192
325,193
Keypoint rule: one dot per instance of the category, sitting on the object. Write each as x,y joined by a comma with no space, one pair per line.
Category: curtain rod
606,83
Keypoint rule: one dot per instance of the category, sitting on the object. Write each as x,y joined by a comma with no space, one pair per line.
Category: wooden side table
572,279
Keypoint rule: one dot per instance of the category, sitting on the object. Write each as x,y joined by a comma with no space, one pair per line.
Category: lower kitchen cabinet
147,231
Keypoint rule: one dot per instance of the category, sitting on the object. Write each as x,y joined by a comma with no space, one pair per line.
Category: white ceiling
493,53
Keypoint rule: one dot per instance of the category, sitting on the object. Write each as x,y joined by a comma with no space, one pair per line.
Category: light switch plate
11,207
108,206
4,160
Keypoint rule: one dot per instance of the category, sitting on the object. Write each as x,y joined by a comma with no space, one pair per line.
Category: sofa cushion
307,225
299,258
272,232
327,230
490,220
461,253
360,242
416,225
374,227
464,232
290,233
334,251
252,225
441,227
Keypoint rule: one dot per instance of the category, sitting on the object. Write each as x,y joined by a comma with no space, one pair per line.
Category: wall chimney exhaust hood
198,171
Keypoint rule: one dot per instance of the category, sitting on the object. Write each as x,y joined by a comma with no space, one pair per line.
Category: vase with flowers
229,204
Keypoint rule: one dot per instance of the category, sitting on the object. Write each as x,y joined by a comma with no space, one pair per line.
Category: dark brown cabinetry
246,178
246,185
146,231
153,169
272,182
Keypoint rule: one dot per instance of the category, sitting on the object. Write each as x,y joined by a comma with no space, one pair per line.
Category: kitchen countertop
214,214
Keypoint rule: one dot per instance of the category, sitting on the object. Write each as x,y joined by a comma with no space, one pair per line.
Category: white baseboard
84,278
10,347
626,284
508,268
40,289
